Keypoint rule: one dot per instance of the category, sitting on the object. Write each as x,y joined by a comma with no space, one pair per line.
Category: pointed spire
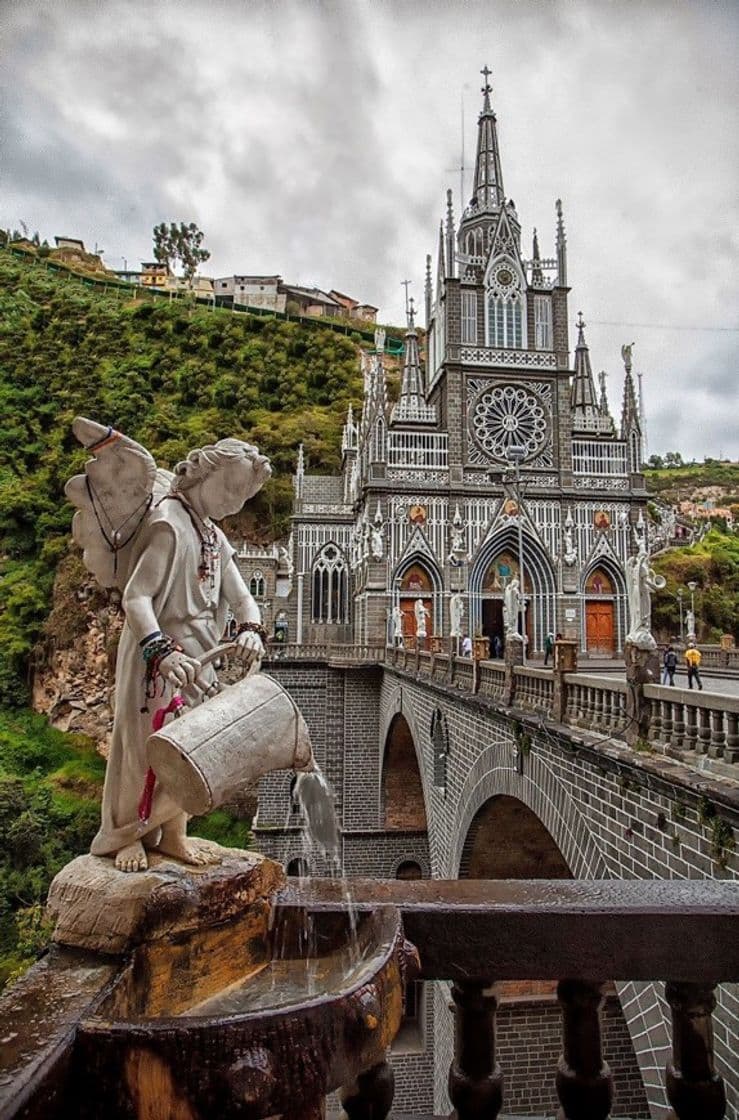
450,236
603,403
537,276
629,409
299,473
582,396
488,191
411,406
561,248
440,265
349,434
428,292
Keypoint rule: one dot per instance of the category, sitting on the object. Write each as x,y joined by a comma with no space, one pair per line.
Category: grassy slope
169,376
172,378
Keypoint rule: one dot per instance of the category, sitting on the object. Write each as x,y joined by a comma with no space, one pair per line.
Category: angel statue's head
220,477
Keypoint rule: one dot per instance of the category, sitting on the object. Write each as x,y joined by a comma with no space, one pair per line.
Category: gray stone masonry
611,811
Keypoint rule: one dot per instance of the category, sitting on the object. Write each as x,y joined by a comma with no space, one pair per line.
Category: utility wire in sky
660,326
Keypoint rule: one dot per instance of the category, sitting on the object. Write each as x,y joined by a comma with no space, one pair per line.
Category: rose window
507,416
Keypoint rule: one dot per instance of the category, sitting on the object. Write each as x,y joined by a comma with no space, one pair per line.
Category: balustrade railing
476,933
688,720
534,689
595,703
491,679
681,720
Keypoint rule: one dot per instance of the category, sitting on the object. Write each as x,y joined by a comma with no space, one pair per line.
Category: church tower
499,460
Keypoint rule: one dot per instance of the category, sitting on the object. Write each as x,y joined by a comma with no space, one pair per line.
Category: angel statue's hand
181,670
250,647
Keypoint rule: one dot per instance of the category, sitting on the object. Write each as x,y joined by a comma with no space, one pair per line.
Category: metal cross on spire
411,313
487,89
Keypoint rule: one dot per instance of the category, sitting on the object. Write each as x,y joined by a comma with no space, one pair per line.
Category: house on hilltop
154,274
310,301
353,309
251,291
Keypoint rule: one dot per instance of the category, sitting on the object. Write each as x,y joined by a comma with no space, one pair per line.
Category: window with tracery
505,309
543,322
330,600
256,584
469,317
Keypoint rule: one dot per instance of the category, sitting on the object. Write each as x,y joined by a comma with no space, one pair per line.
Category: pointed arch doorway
601,622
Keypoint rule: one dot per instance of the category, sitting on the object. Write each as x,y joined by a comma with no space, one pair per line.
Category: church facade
499,459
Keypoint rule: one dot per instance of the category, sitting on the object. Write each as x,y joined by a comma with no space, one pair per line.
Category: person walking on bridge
670,665
693,660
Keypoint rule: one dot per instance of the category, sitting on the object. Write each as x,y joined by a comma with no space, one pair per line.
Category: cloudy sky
316,140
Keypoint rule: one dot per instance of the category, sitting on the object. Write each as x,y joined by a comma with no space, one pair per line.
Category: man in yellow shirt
693,659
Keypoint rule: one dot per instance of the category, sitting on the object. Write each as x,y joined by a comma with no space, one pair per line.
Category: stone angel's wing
112,498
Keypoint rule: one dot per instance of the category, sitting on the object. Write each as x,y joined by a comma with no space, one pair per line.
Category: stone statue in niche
377,547
570,552
421,613
641,580
396,620
151,534
456,614
511,607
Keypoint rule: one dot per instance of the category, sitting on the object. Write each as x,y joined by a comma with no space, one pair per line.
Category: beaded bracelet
155,650
253,627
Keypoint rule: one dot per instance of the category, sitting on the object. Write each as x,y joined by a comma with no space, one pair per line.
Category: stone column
512,656
565,661
642,667
299,624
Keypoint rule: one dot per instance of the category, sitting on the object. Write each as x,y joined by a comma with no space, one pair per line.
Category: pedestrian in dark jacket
670,665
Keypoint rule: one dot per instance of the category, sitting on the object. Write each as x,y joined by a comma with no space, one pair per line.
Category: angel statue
511,607
150,533
456,614
641,580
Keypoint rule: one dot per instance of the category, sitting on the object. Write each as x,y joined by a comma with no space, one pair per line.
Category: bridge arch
402,801
506,840
494,774
539,579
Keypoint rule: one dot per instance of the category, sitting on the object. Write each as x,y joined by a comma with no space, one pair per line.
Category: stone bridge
448,768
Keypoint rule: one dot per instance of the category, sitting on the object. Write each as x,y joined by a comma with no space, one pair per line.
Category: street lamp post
516,454
680,603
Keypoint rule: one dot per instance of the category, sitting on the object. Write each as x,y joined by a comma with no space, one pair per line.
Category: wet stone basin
274,1041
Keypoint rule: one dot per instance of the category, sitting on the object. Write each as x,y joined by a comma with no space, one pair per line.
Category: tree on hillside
180,243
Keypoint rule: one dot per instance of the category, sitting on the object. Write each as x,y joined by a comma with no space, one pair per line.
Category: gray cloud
318,139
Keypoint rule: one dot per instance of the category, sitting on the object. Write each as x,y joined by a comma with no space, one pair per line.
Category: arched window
256,584
505,308
330,601
378,441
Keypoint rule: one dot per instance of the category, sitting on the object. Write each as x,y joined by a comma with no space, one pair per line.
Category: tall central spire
488,185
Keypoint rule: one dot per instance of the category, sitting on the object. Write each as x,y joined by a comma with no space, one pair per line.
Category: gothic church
497,459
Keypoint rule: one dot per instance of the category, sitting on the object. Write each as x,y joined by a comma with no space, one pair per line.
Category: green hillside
170,375
673,483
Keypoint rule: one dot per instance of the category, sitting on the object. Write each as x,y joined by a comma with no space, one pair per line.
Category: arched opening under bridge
403,806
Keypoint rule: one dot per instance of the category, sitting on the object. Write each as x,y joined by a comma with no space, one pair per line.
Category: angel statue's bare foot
132,858
175,843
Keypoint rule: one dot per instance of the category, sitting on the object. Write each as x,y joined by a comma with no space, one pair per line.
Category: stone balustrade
533,689
583,934
596,703
683,722
686,720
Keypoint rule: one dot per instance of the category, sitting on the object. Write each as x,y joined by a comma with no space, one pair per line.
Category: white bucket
231,739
